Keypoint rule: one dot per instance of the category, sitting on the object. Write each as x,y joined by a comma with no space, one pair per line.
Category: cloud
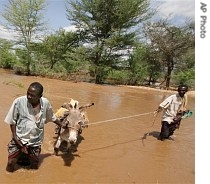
5,34
177,8
70,28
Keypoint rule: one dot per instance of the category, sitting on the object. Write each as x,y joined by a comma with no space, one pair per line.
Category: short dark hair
37,86
183,86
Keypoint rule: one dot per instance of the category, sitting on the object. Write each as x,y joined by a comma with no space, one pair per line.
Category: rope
99,122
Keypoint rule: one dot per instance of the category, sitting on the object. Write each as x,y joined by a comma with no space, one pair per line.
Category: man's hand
157,111
24,149
61,124
178,116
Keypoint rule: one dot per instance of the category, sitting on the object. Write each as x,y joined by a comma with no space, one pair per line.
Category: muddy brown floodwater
111,149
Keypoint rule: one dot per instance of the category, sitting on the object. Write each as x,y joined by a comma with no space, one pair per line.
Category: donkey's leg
57,145
68,147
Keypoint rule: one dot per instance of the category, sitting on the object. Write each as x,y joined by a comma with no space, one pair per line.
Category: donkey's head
74,122
74,119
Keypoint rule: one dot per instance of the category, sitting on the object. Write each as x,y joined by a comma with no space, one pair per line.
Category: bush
186,77
118,77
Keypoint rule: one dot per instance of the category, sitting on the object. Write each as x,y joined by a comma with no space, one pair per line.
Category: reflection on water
112,151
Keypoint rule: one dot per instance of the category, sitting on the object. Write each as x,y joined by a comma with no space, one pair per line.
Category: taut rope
99,122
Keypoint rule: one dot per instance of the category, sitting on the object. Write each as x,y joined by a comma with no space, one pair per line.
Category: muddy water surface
111,149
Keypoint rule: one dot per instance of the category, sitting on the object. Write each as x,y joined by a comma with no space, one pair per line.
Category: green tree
7,56
138,65
144,65
185,69
107,27
170,42
25,18
54,47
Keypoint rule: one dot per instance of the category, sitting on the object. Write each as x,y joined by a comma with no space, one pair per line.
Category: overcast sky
178,10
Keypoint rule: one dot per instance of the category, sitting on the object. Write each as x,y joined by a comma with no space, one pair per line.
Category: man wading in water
174,107
26,118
